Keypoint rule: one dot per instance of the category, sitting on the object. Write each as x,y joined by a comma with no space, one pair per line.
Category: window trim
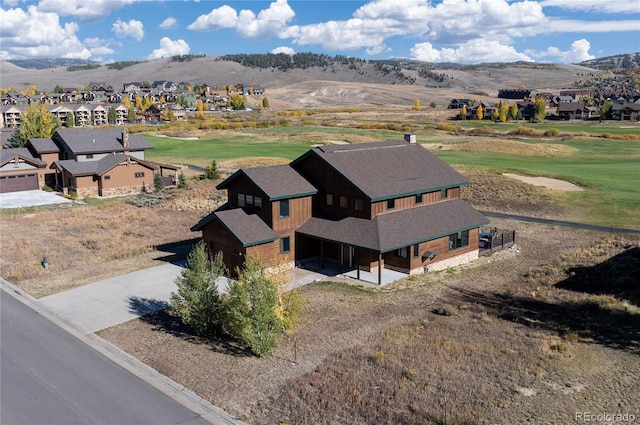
344,202
284,208
285,245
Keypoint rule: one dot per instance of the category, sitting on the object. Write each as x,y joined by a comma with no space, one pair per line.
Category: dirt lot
487,337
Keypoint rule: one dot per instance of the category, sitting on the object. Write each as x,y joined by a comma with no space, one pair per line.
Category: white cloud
569,25
170,47
222,17
271,21
85,10
473,51
133,28
283,49
169,23
600,6
579,52
33,33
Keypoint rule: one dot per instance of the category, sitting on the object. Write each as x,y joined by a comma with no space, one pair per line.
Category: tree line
286,62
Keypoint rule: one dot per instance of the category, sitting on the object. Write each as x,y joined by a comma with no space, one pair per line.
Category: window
285,245
329,199
139,175
257,202
284,208
416,250
444,194
419,198
248,199
343,202
241,199
358,204
391,204
107,177
89,156
402,252
458,240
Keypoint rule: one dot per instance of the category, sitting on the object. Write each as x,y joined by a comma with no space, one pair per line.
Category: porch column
341,258
321,254
380,269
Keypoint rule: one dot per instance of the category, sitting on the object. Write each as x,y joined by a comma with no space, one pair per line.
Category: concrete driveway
116,300
30,198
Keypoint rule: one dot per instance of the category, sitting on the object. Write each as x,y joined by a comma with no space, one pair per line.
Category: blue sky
464,31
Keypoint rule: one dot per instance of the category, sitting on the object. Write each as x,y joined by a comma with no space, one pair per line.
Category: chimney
125,139
410,138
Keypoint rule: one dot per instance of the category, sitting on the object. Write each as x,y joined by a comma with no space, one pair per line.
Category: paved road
50,376
561,223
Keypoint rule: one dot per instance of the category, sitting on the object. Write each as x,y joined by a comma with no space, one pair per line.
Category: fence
494,239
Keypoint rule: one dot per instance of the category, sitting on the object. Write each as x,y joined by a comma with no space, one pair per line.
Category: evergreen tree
158,184
182,181
69,120
212,171
111,116
131,115
197,300
265,102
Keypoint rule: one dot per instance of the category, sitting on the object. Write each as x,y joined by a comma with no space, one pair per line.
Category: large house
89,163
364,206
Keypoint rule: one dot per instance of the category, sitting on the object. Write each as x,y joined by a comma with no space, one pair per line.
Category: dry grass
84,241
512,147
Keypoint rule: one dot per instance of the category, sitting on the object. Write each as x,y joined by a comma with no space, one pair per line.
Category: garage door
18,183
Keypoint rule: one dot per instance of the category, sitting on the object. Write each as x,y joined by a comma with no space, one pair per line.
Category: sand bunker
547,182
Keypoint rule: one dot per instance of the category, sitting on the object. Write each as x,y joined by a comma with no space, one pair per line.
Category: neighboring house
366,206
19,170
459,103
519,94
576,111
626,112
89,163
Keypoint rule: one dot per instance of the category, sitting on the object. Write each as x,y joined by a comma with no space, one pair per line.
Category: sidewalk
109,302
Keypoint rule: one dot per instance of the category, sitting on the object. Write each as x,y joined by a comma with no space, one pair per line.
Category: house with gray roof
87,162
365,206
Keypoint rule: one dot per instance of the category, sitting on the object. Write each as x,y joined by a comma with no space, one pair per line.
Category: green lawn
201,152
608,169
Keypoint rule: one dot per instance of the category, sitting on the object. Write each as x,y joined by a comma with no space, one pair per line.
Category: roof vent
93,140
410,138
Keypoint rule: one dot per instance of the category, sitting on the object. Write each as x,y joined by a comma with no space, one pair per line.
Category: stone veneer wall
449,262
120,191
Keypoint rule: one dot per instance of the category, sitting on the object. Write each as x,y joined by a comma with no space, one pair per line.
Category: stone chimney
410,138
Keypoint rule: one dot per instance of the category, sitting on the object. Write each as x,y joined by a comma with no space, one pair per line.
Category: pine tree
197,300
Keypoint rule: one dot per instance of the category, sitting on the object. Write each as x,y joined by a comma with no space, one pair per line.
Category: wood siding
123,175
327,181
299,212
407,202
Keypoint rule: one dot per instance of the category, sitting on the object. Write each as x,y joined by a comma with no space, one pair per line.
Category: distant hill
622,62
47,63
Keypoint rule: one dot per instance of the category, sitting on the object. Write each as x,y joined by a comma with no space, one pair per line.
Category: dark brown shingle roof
277,182
249,229
398,229
8,155
100,167
384,170
44,145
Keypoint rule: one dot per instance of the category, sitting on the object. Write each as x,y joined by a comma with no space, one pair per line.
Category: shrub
552,132
447,127
182,181
158,184
47,188
212,171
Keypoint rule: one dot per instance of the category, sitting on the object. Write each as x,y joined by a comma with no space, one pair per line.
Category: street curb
187,398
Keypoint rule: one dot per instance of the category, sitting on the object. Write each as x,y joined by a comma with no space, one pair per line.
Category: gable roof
276,182
249,229
398,229
100,167
83,141
43,145
8,155
385,170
